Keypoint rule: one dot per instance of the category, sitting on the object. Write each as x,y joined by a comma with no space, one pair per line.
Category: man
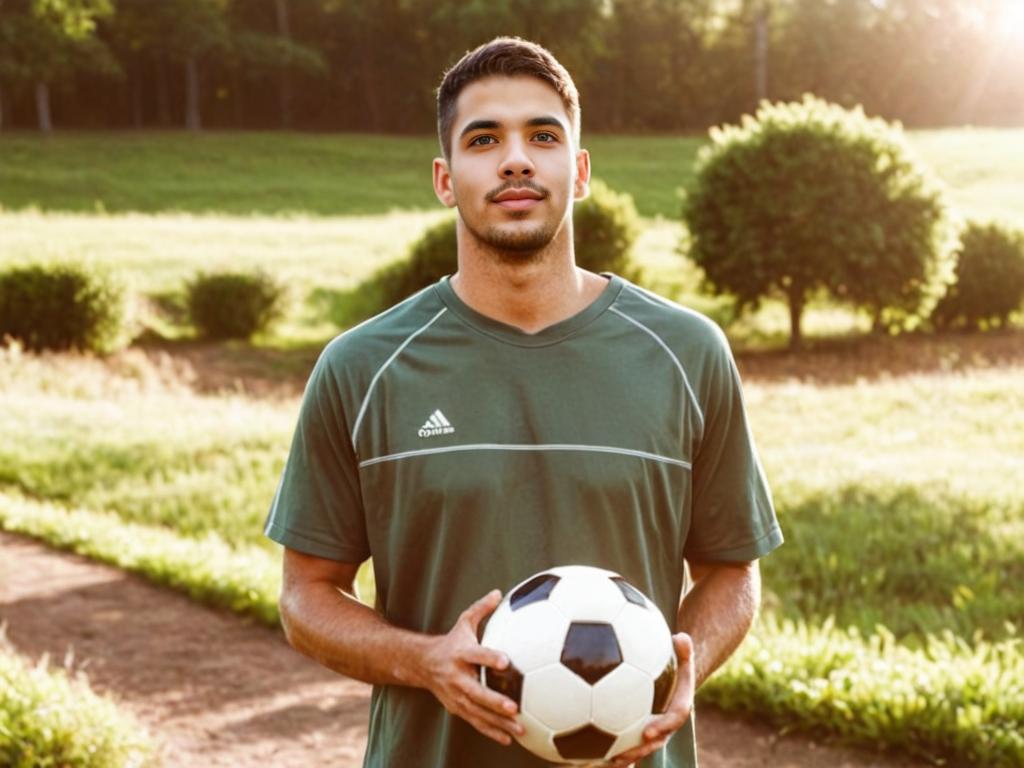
519,415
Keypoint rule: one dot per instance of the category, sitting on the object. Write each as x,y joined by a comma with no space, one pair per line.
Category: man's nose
516,161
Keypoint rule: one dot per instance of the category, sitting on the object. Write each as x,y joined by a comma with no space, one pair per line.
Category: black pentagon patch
591,650
630,592
536,589
507,681
664,686
588,743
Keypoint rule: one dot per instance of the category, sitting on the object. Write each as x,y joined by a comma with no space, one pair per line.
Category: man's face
513,171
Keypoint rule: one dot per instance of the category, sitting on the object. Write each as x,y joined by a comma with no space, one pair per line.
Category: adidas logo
437,424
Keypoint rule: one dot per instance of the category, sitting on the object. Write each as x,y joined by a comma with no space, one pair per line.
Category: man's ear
443,187
581,187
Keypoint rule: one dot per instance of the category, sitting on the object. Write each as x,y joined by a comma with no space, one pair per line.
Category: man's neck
530,295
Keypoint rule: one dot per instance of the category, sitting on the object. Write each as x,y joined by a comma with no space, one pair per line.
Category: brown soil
219,690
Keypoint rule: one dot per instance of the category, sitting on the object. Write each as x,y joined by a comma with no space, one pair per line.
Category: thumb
481,608
684,646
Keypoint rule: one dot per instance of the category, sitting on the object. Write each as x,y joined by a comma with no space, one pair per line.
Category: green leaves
49,718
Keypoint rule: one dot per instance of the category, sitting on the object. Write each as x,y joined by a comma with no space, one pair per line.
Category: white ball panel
630,737
532,637
644,638
538,738
567,710
497,621
580,571
588,596
622,697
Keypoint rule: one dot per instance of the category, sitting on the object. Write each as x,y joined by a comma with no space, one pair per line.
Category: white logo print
437,424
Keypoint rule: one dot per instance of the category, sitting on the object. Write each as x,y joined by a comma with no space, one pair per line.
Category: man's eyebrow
533,122
545,120
478,125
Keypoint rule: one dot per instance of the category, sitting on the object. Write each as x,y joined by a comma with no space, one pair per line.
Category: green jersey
463,454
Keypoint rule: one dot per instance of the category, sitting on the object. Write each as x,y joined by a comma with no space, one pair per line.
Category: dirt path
220,690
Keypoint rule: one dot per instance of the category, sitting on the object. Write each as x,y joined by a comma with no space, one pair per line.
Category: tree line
373,65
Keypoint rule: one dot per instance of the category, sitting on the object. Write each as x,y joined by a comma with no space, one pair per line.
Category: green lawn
243,174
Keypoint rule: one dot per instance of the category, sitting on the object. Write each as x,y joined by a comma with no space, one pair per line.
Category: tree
47,41
808,197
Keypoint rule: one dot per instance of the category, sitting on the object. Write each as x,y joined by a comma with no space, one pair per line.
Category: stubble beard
518,246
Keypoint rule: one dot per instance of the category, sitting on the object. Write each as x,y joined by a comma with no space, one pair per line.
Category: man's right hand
452,667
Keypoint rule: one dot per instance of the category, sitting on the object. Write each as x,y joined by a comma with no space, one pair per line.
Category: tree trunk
193,120
43,107
285,93
796,311
163,101
135,78
761,50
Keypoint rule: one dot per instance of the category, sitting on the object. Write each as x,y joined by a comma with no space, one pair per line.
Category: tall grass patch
49,717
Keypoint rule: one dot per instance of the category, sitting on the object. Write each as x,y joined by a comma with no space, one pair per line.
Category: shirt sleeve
733,519
318,508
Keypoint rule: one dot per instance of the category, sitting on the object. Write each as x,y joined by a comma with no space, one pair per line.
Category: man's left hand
661,727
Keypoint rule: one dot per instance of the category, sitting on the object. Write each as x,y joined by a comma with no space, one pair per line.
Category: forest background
372,65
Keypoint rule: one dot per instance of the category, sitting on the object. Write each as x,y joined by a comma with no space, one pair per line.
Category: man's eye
545,136
480,141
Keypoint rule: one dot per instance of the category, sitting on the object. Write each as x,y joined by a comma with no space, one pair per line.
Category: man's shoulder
371,342
683,330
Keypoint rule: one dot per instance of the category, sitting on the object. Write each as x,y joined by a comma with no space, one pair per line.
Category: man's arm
323,620
718,611
713,618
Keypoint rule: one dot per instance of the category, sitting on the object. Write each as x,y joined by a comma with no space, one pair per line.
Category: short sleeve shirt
463,455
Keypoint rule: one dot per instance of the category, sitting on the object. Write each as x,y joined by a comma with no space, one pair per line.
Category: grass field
892,615
357,175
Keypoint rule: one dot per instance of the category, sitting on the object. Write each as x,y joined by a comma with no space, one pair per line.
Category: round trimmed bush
63,305
605,227
989,283
808,197
233,305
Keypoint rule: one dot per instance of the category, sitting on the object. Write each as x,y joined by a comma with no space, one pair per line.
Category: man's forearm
718,612
351,638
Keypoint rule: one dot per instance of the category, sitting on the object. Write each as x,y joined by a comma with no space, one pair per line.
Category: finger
485,697
678,711
481,608
684,646
475,714
638,753
483,656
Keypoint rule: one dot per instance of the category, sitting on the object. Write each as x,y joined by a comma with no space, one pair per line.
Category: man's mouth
517,198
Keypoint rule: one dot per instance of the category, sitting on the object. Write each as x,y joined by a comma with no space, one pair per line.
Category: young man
519,415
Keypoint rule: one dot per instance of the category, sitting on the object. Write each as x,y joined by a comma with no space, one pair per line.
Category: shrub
233,305
50,718
989,283
63,305
808,196
605,226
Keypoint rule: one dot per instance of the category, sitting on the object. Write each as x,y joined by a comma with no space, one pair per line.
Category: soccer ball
591,660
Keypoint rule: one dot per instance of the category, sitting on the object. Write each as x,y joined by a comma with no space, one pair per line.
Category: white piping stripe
538,447
679,366
373,381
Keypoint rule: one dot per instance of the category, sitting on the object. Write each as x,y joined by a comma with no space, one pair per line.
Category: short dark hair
504,56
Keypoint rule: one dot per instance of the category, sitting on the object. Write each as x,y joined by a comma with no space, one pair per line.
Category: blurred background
368,65
196,195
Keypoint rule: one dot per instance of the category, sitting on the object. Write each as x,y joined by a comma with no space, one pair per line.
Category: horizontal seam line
522,447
